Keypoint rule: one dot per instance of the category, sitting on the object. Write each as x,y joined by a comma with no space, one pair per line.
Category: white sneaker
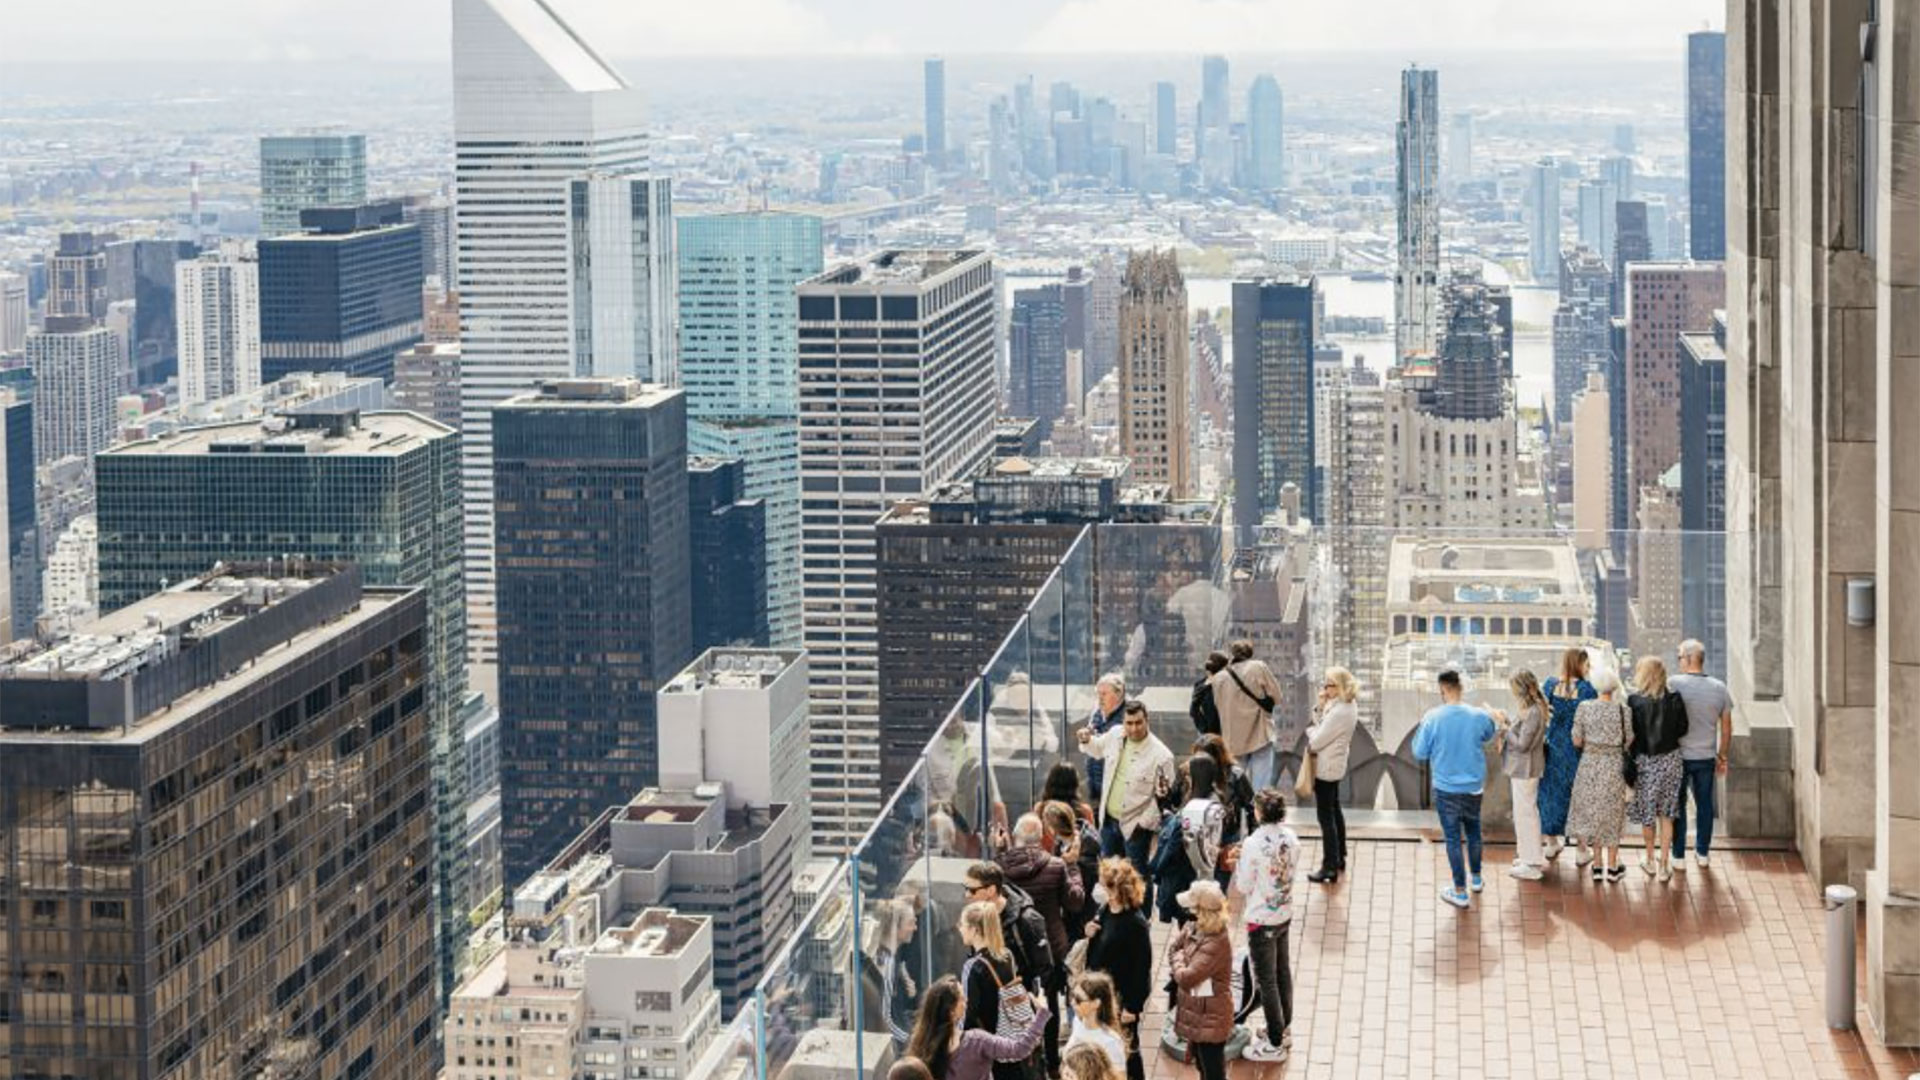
1526,872
1647,867
1554,848
1259,1049
1702,862
1680,864
1585,857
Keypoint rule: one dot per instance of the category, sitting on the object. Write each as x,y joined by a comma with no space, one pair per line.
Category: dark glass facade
1707,145
1703,490
23,536
728,555
1273,338
142,271
343,296
238,884
1037,355
594,584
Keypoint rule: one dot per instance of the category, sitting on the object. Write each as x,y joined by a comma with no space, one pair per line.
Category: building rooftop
562,50
347,432
595,393
654,932
893,267
749,669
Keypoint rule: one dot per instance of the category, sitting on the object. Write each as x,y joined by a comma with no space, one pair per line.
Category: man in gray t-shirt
1703,748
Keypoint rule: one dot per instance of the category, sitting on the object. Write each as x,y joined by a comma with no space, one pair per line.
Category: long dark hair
932,1035
1063,785
1203,774
1215,747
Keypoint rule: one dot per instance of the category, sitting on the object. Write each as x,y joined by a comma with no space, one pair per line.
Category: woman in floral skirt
1564,695
1603,729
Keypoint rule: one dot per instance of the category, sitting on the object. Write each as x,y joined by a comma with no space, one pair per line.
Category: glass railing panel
1015,710
894,871
807,998
1160,608
1051,742
734,1052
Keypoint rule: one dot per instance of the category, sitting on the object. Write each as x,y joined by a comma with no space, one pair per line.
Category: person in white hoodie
1264,876
1329,739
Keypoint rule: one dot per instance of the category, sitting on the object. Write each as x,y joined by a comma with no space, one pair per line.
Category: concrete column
1893,886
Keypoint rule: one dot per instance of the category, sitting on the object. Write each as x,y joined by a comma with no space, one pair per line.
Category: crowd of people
1054,928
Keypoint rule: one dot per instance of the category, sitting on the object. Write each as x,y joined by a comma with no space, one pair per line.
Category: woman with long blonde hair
1523,760
1564,694
1329,740
1659,723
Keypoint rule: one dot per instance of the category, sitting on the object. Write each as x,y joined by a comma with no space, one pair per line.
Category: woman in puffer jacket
1200,958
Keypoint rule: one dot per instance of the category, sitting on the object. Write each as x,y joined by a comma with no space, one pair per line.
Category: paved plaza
1717,975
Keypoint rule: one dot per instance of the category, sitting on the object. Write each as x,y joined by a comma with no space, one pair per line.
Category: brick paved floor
1717,975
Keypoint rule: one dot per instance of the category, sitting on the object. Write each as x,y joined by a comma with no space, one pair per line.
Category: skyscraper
936,109
1265,128
590,481
626,304
1664,300
434,215
1474,355
19,531
301,172
1154,418
1416,283
1215,112
271,715
739,346
1632,243
1707,145
1354,526
1166,119
534,109
77,276
1274,331
935,312
1037,355
79,368
218,295
342,295
377,489
143,271
1596,208
1543,221
1703,490
728,553
1580,334
13,312
1102,347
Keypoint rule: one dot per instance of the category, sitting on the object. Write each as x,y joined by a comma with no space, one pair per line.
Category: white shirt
1105,1040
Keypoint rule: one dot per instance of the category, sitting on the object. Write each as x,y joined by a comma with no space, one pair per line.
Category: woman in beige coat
1330,739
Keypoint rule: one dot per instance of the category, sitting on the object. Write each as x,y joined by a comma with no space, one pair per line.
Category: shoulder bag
1265,701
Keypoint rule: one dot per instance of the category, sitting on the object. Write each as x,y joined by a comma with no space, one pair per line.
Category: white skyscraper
534,110
1416,283
871,435
217,322
626,305
79,368
13,313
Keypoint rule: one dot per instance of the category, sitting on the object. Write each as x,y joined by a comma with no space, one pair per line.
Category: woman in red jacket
1201,960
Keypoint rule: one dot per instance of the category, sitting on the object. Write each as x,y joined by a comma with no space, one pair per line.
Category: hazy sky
202,30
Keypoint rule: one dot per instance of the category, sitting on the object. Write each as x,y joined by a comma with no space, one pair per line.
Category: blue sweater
1452,737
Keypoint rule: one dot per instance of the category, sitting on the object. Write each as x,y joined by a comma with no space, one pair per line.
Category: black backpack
1030,930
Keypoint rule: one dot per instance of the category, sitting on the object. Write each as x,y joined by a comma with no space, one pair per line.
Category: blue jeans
1460,821
1136,848
1262,767
1699,780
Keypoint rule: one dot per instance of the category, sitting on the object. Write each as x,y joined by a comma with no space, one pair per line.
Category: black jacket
1657,725
1124,950
1204,713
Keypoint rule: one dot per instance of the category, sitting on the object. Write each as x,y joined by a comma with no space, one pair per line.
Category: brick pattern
1717,975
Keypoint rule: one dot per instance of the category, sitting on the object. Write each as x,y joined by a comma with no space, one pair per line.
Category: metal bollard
1842,901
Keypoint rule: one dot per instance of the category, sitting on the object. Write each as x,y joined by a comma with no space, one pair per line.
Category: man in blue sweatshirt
1453,737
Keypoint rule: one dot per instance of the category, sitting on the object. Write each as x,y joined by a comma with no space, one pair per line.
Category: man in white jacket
1139,771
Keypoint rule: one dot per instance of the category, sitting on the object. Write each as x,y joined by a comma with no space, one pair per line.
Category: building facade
377,489
1543,221
342,295
272,713
1266,133
1274,441
728,553
1664,300
218,324
19,505
535,108
1703,489
1416,280
934,129
897,356
739,355
625,303
300,172
1707,145
1155,422
1037,356
590,481
142,271
79,368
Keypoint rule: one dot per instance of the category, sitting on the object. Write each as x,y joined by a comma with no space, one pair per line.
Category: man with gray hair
1703,749
1054,886
1111,694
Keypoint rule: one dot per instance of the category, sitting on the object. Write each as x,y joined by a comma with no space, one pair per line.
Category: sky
417,30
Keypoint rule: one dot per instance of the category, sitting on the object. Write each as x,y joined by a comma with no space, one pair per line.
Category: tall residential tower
1416,283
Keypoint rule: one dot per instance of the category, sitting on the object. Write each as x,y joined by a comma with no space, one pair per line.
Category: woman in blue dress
1564,695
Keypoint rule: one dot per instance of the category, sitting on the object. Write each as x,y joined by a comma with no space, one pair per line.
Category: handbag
1629,766
1303,784
1077,958
1265,701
